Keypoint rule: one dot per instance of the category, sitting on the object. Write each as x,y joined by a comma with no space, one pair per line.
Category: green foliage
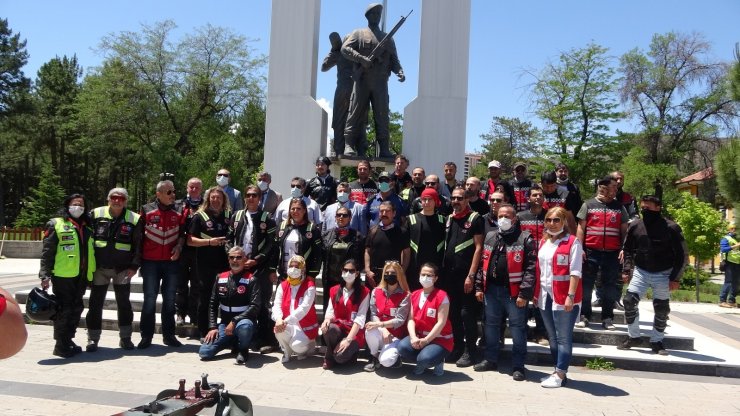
600,363
641,176
688,280
14,85
44,201
395,129
727,168
509,140
702,226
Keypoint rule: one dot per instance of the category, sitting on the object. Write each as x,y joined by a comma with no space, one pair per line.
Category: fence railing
21,234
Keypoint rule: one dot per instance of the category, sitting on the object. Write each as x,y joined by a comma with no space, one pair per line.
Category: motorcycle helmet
41,306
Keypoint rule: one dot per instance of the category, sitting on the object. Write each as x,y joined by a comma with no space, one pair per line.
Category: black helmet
41,306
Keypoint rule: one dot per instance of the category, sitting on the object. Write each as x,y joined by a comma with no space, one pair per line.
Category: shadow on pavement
595,389
110,353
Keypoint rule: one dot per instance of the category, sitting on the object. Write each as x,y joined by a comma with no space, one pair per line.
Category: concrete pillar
434,122
295,131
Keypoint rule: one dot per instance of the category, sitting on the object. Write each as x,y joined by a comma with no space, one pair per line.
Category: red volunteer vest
161,231
603,223
309,324
514,265
426,317
555,199
561,273
387,310
344,314
521,193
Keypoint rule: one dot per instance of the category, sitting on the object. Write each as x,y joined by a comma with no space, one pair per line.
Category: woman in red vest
294,312
559,262
430,332
389,310
345,317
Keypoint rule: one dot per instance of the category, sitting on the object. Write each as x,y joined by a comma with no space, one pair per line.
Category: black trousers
464,312
94,318
265,334
69,292
188,287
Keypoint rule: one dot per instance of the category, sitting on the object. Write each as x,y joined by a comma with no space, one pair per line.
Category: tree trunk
696,277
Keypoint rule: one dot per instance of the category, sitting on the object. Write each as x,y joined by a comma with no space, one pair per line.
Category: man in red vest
505,281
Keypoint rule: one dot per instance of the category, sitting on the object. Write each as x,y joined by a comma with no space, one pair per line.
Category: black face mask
390,279
649,216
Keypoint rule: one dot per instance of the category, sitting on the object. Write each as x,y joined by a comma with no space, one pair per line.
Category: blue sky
507,37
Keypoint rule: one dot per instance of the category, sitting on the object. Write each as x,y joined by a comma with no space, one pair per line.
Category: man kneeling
236,294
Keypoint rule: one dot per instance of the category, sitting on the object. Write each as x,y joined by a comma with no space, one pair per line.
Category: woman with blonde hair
559,262
389,310
294,312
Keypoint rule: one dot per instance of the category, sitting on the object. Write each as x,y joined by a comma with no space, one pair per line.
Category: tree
645,178
205,74
395,130
14,85
727,169
735,75
510,140
702,227
44,201
678,95
577,100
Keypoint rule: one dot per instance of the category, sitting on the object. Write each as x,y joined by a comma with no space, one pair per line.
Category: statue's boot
384,151
349,150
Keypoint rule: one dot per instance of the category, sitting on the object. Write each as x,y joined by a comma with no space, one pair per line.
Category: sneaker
286,358
485,365
544,342
439,369
144,343
466,360
76,349
171,341
519,374
618,305
608,324
180,320
732,304
455,355
267,349
597,302
725,305
371,366
91,346
552,381
126,343
658,348
242,358
583,323
629,343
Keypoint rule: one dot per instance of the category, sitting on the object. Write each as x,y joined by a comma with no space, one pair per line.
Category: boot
92,345
126,343
383,150
242,357
62,349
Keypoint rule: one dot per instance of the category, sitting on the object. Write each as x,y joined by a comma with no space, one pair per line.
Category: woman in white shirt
344,320
294,312
559,262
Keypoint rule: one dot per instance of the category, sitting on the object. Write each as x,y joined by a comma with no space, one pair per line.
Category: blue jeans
607,263
498,301
155,273
639,284
242,335
427,357
732,282
559,325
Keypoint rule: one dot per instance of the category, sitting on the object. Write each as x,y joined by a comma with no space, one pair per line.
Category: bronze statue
343,92
374,56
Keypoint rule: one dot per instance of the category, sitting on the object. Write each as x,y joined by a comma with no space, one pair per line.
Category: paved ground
111,380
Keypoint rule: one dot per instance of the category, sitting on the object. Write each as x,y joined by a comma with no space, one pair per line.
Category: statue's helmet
372,7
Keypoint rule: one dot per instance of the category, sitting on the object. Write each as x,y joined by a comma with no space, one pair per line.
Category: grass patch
599,363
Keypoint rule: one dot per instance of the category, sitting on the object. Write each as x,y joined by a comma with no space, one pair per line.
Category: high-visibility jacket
732,256
425,317
117,244
309,324
67,261
603,225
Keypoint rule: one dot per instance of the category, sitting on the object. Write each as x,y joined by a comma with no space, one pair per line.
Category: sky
507,38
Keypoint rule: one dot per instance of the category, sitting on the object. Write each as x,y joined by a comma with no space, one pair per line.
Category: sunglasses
349,270
552,220
342,215
456,198
117,198
496,200
295,186
225,175
236,257
169,191
430,183
252,196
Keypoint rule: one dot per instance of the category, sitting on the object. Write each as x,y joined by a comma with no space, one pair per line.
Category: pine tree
44,201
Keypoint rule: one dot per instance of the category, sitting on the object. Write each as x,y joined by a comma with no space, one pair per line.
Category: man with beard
521,186
364,188
496,183
385,241
472,191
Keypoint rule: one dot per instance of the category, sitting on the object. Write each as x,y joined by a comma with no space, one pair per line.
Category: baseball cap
494,164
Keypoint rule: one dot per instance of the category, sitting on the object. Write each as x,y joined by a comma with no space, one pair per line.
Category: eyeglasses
457,198
430,183
117,198
349,270
236,257
252,196
342,215
225,175
169,191
553,220
496,200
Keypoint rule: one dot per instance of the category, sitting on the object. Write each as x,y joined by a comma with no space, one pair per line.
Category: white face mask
294,272
263,185
222,180
296,192
76,211
504,224
426,281
348,277
342,197
556,232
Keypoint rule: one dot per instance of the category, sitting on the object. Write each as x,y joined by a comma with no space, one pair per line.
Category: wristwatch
572,296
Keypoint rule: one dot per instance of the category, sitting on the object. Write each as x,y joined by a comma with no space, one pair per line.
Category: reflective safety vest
309,324
561,273
514,261
732,256
67,258
470,241
415,232
534,224
122,238
555,199
345,313
603,225
521,193
425,317
206,218
387,307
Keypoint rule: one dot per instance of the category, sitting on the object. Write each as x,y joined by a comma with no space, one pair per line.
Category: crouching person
294,312
236,297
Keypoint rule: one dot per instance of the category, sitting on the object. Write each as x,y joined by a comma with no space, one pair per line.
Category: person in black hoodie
340,244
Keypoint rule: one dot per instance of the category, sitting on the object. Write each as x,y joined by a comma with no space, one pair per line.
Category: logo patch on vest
518,257
309,235
209,224
125,230
613,218
155,219
69,247
67,238
468,224
431,313
280,234
393,311
263,226
562,259
222,289
66,227
241,289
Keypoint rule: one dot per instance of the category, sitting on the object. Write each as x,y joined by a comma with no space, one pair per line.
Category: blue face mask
384,187
296,193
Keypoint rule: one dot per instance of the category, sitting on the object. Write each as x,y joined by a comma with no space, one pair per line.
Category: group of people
409,264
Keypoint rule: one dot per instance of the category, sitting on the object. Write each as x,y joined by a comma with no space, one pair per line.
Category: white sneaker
286,358
583,323
552,382
301,357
